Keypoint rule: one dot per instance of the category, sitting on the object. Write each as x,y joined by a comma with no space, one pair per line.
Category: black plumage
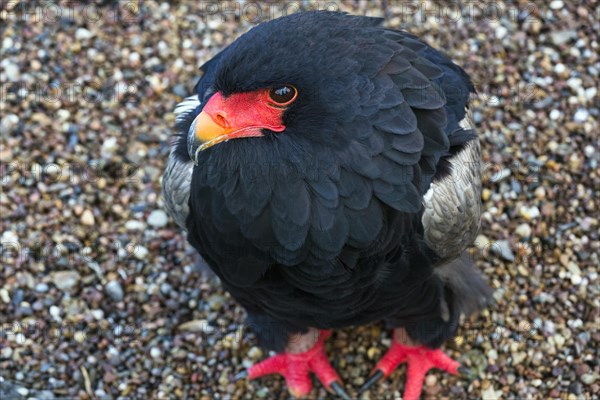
320,225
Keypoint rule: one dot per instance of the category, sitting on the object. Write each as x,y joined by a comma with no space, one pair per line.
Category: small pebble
581,115
134,225
503,249
588,379
255,353
155,352
55,312
140,252
114,290
6,353
216,302
4,296
523,230
87,218
589,151
65,280
41,287
554,114
83,34
196,326
158,218
430,380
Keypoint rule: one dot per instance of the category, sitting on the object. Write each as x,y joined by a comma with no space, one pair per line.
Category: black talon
371,381
240,375
339,390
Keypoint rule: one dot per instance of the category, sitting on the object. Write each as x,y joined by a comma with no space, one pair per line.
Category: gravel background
101,298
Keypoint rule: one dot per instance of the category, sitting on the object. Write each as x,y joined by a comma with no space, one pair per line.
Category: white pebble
4,296
134,58
589,150
581,115
523,230
155,352
63,114
140,252
83,34
501,32
98,314
87,218
108,147
529,213
6,352
158,218
12,71
255,353
560,68
134,225
588,379
556,4
574,83
7,43
554,114
591,92
559,340
9,237
41,287
55,312
573,268
549,327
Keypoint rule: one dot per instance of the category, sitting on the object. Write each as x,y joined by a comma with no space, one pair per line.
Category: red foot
420,359
295,368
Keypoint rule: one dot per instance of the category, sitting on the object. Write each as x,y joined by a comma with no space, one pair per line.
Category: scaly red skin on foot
296,367
420,359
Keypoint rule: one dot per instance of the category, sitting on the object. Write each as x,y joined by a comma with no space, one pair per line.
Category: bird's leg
419,358
304,354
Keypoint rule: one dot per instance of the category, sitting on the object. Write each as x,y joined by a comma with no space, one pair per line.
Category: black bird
327,171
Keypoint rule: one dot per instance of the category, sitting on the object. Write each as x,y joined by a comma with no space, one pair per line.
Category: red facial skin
238,115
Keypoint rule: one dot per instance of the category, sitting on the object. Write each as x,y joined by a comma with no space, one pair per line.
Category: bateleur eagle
327,172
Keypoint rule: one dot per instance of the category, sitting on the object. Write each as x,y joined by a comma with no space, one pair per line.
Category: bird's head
302,77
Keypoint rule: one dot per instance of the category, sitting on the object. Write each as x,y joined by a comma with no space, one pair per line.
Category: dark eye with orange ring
283,95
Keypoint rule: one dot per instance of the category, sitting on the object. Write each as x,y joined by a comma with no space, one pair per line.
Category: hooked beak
205,132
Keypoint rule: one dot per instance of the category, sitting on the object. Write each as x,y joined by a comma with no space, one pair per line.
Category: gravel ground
101,298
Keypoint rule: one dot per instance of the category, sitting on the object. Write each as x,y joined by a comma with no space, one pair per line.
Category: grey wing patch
177,177
176,182
452,205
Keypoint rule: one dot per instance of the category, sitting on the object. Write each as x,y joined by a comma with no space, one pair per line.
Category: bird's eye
283,95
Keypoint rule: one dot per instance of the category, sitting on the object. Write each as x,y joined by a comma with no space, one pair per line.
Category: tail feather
470,293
